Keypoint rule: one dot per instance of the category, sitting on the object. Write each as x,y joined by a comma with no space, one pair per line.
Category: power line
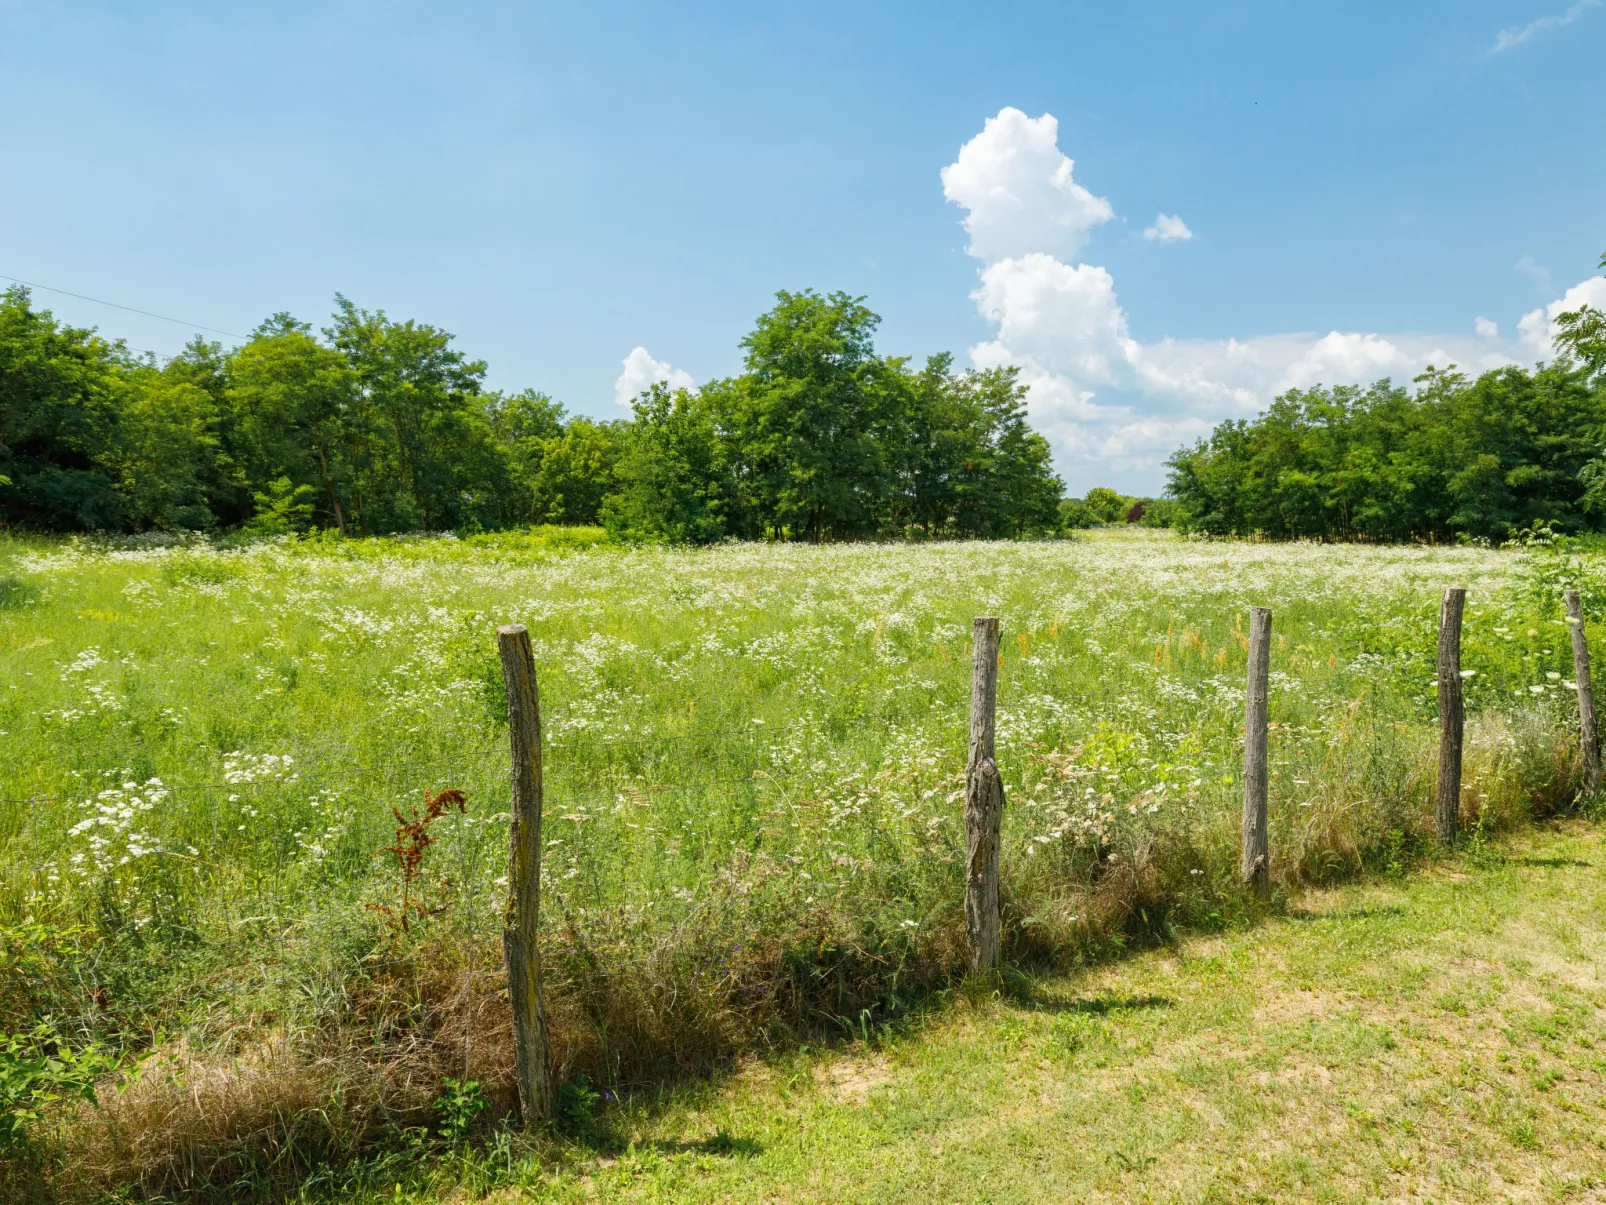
98,301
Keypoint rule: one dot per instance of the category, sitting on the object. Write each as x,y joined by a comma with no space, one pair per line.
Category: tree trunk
334,498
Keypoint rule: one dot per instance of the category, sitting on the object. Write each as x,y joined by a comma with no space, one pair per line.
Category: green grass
753,831
1437,1037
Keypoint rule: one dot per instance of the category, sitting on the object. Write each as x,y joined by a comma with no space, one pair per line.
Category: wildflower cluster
240,768
116,830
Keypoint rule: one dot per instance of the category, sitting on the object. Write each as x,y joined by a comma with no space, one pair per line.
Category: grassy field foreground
1438,1037
753,835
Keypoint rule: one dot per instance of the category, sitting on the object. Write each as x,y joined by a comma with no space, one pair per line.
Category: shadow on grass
1381,911
1101,1006
719,1143
1550,863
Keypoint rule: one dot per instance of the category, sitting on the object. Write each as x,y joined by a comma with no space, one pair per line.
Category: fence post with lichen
520,922
984,801
1587,732
1256,865
1452,716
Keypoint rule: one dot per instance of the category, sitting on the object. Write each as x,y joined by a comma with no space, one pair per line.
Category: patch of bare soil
851,1081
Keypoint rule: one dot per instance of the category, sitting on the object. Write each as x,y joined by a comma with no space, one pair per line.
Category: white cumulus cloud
1018,190
1537,328
1168,229
1113,406
640,371
1064,318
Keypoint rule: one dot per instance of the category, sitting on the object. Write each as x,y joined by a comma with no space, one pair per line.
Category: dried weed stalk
413,840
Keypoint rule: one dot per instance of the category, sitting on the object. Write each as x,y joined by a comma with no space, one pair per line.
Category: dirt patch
851,1081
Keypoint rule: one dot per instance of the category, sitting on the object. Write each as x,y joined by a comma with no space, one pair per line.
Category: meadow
753,819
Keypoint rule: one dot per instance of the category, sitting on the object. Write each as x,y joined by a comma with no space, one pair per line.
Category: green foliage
296,417
284,508
674,478
166,450
576,472
1105,505
460,1102
1102,506
812,414
37,1069
1583,335
821,439
39,965
574,1112
383,427
1482,458
1161,512
58,421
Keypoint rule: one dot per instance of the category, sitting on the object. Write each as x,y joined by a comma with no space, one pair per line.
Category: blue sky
559,185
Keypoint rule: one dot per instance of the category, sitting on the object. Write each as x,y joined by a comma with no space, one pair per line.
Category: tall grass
753,819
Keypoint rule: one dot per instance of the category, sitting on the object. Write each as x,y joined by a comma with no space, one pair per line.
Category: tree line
1460,458
374,425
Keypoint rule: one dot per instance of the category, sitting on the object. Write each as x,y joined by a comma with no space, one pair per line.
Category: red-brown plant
412,844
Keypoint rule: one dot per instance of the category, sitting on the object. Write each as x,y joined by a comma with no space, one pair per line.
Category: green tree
1005,485
222,477
522,424
1104,505
1484,458
284,507
414,419
293,406
1583,334
674,479
814,406
165,449
58,421
576,471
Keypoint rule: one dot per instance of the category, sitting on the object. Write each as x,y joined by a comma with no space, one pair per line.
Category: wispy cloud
1537,273
1518,34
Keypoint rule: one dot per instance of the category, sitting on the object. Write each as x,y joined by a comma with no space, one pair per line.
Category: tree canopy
1480,458
375,425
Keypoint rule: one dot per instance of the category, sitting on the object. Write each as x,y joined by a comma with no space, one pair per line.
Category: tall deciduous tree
1583,334
674,474
294,405
813,409
413,404
58,421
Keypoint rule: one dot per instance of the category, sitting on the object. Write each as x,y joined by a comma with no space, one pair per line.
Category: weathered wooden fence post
1452,719
520,922
1586,692
1256,866
984,801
